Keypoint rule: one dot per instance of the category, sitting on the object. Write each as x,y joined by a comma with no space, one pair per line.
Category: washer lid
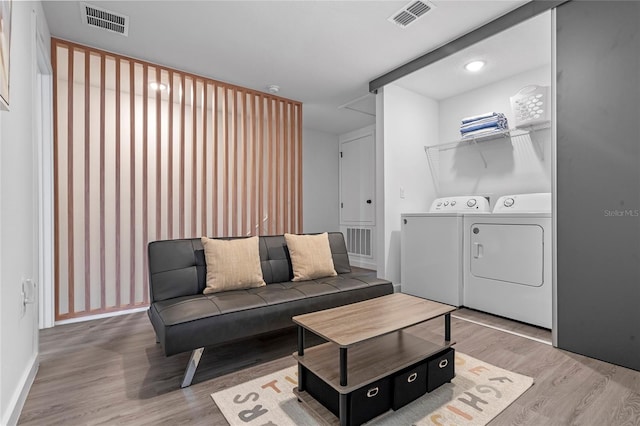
465,203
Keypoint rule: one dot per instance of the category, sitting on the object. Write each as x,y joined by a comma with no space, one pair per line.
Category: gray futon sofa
185,319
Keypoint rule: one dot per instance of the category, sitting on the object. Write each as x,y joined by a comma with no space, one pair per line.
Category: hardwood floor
111,371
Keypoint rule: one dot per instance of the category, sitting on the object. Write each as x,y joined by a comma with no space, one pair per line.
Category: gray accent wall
598,180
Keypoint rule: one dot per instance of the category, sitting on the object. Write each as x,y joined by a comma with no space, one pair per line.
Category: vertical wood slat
214,195
70,186
225,171
252,132
132,183
181,195
145,178
278,229
205,161
170,160
291,195
245,161
234,176
158,233
194,160
87,181
103,272
254,144
299,177
261,179
118,183
270,188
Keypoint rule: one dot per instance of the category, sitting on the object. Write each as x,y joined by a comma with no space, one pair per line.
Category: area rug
479,392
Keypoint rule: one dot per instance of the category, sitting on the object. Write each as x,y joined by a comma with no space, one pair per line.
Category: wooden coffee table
369,339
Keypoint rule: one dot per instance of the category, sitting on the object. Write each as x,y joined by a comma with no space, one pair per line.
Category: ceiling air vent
410,13
105,19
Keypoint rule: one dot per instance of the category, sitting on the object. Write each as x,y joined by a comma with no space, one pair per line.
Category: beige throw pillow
232,264
310,256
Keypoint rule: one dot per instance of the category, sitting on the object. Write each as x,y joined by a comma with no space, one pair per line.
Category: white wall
519,165
19,214
409,122
320,181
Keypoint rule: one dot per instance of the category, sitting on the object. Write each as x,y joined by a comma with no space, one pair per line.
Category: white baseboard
100,316
19,397
397,288
361,263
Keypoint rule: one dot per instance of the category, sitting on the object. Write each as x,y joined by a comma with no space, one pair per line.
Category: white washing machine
431,249
507,259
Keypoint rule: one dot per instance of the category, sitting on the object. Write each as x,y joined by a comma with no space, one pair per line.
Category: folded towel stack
483,124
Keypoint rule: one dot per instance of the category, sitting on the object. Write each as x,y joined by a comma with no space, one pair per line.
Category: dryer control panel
471,203
524,203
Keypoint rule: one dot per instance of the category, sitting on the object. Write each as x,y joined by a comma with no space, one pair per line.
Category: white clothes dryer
507,259
431,249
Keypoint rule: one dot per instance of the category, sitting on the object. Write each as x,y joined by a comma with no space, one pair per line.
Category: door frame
369,262
43,144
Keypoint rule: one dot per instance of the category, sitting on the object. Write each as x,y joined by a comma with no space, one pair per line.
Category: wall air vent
359,241
105,19
410,13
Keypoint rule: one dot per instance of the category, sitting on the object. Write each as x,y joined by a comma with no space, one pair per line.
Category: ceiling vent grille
410,13
105,19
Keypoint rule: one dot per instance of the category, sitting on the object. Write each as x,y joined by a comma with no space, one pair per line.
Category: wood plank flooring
111,371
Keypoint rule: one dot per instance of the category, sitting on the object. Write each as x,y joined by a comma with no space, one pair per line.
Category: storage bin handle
412,377
443,363
372,392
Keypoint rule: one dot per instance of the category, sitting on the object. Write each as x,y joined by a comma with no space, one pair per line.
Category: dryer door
510,253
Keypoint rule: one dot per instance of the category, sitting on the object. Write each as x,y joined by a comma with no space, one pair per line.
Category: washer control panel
471,203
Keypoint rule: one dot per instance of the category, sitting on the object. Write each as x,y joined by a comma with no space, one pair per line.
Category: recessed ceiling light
158,86
474,66
272,88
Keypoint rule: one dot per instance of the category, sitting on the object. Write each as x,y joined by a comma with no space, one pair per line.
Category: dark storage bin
409,385
440,369
363,404
369,401
321,391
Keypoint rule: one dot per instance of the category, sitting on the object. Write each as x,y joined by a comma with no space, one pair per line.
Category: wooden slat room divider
143,152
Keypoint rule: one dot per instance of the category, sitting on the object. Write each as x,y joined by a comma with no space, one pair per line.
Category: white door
510,253
357,163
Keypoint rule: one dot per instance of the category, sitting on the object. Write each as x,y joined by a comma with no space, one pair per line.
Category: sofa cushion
189,322
310,256
232,264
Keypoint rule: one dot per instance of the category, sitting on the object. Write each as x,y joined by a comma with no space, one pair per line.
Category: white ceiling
520,48
322,53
